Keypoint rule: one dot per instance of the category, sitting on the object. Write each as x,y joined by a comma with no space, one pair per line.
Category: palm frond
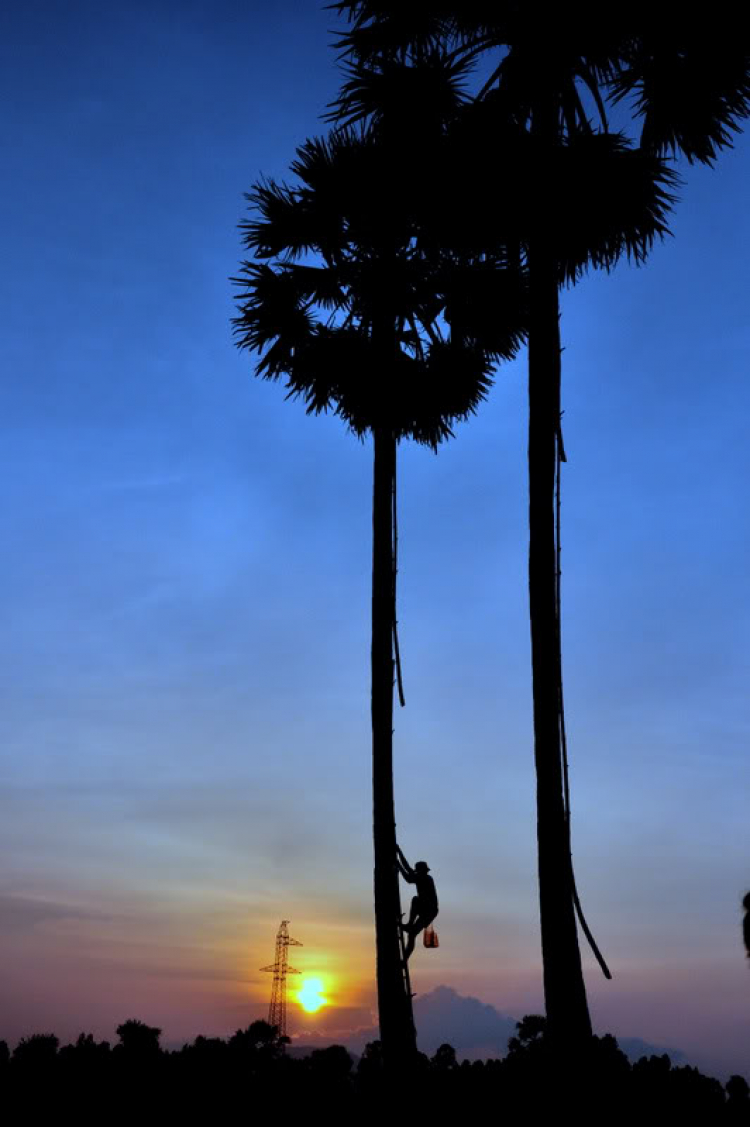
402,93
459,376
610,199
319,285
270,313
328,165
389,28
420,399
324,364
487,308
280,225
691,87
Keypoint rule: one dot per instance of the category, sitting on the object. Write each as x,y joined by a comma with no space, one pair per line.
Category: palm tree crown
354,308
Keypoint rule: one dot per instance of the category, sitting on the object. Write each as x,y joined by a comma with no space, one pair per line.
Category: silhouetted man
424,906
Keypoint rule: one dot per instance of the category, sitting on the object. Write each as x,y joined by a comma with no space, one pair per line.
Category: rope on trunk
397,652
560,458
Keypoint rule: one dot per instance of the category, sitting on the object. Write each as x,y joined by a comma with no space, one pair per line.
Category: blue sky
185,582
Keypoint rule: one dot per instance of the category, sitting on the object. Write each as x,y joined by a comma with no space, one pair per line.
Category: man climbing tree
424,906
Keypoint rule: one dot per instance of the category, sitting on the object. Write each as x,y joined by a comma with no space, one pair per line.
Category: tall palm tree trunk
394,1003
564,988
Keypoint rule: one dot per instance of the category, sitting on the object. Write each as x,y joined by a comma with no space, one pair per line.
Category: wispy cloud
20,914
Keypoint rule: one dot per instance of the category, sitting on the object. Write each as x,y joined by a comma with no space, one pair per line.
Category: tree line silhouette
251,1070
423,241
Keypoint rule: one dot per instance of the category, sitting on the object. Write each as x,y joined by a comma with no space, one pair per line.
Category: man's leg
413,929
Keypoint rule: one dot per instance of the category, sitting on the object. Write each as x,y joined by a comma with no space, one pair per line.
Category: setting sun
310,996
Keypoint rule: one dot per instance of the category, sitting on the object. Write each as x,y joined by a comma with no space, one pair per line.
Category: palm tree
353,307
581,197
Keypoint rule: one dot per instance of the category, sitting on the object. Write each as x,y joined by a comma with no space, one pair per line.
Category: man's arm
404,867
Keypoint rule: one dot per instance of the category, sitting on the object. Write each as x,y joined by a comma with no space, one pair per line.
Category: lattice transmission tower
280,969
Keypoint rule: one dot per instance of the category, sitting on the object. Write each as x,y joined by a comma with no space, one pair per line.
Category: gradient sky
185,584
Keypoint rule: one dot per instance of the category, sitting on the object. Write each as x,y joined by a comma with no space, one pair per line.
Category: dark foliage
138,1039
36,1052
211,1078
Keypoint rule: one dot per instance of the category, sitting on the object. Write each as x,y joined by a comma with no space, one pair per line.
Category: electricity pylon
280,969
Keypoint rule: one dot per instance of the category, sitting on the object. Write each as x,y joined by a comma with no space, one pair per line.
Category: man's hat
423,866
